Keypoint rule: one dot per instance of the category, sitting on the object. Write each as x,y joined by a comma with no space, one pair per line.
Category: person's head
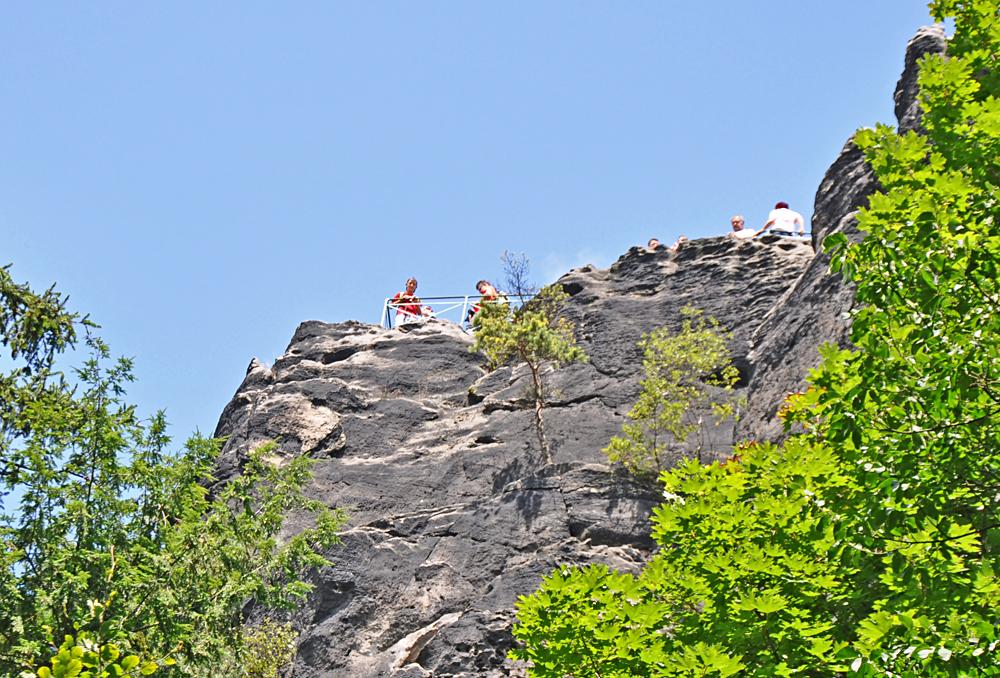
737,221
411,285
653,243
485,288
781,205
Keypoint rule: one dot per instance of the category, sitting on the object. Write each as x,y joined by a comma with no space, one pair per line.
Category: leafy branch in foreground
746,581
687,373
83,658
107,536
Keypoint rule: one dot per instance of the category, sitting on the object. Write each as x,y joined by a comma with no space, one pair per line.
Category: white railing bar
465,301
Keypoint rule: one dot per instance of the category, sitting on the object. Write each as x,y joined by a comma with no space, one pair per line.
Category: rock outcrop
816,310
454,510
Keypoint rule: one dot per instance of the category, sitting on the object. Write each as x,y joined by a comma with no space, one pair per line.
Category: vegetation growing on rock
535,334
682,370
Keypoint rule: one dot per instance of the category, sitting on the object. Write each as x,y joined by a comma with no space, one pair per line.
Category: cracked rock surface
454,510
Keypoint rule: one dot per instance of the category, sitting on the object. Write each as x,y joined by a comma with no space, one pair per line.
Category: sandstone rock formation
454,512
816,309
454,509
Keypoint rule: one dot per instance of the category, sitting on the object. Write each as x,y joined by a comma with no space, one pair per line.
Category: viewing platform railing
453,309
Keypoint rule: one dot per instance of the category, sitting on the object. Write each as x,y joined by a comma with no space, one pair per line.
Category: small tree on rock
681,370
516,273
536,335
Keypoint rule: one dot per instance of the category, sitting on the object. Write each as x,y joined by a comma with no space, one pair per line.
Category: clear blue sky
201,177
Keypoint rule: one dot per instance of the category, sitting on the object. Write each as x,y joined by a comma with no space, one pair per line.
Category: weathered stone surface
454,509
928,40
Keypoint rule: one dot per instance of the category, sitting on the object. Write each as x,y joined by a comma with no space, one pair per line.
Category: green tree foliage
270,647
747,580
686,372
535,334
869,544
83,658
115,539
915,411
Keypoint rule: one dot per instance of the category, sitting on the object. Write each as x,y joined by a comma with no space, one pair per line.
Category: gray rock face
928,40
454,510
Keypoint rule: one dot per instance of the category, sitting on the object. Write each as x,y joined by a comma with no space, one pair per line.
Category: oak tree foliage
869,544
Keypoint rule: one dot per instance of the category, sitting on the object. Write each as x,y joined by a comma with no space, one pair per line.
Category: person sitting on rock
653,244
490,295
408,306
783,221
740,232
678,244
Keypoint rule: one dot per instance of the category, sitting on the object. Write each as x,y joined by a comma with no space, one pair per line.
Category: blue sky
201,177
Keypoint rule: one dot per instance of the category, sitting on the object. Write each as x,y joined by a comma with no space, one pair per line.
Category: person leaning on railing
490,295
408,306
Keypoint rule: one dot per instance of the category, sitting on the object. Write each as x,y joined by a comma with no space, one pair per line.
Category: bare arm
768,225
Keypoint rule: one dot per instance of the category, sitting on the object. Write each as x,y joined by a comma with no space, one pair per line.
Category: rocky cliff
454,509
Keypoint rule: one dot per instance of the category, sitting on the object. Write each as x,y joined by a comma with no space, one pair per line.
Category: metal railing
453,309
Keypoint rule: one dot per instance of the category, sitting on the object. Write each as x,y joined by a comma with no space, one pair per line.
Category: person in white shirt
784,221
740,232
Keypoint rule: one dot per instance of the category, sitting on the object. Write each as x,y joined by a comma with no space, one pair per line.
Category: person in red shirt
490,296
407,304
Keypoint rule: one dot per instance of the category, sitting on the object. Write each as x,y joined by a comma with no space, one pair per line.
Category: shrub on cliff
870,544
682,369
534,334
109,537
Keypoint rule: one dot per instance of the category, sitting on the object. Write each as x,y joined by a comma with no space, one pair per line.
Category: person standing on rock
653,244
408,306
784,221
740,232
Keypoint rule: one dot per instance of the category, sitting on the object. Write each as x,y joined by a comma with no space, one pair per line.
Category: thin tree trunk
536,379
